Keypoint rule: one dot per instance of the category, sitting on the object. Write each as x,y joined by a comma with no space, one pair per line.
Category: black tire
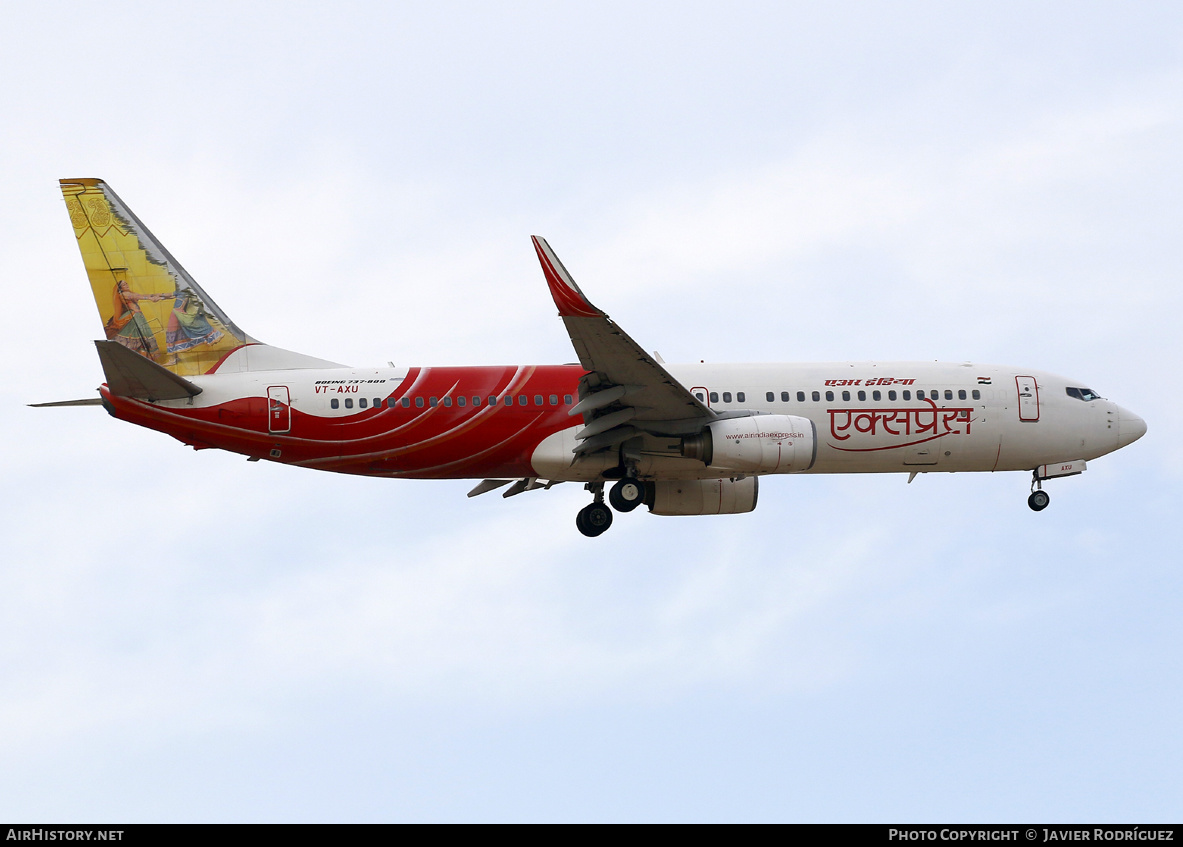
594,519
626,495
581,523
1038,501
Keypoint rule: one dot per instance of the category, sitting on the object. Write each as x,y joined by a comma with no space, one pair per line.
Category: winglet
566,294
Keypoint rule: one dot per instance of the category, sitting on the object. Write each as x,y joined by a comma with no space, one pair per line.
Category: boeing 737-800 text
682,439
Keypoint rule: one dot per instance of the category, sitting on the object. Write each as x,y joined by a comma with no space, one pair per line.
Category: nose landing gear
1039,498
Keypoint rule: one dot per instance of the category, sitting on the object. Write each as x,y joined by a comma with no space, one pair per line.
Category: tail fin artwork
149,304
147,301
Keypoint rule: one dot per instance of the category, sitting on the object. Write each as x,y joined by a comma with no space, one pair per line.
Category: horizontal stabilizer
89,401
131,375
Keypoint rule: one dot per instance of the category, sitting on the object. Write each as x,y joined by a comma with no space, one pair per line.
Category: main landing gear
1039,498
595,518
627,494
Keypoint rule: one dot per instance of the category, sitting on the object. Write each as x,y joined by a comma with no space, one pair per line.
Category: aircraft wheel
593,519
1038,501
626,495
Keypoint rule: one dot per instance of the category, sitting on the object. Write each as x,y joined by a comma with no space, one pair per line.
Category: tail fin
147,301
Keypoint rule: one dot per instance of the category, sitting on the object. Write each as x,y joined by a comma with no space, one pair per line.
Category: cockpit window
1083,393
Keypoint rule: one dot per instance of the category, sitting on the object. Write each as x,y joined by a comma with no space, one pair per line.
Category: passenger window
361,404
829,396
876,395
977,395
405,402
784,397
476,401
801,396
335,403
714,396
348,402
726,396
554,399
461,401
920,394
907,394
568,400
377,402
448,402
741,397
961,394
948,393
891,395
700,396
418,402
507,400
492,400
816,397
769,396
862,395
537,399
390,402
846,395
523,400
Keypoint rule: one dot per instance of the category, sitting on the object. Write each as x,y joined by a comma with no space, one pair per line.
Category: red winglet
566,294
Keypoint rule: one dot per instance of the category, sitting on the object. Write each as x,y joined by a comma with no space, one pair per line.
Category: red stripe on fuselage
442,442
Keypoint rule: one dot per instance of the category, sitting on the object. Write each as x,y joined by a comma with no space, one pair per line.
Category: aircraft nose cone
1131,428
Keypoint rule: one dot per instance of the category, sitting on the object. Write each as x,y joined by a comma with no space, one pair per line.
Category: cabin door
1028,390
279,409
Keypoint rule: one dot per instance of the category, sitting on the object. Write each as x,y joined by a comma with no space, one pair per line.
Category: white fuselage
870,418
866,417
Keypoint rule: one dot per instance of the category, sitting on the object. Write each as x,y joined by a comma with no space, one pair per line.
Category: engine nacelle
756,444
702,496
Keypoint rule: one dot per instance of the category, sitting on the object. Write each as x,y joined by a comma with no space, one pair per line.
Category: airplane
681,439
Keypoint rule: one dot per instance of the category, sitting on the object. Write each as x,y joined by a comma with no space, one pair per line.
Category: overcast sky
188,637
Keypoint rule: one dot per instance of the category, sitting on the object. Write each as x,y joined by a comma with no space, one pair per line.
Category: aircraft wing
625,389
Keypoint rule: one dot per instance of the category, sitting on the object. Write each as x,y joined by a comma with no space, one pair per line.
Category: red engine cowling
756,444
702,496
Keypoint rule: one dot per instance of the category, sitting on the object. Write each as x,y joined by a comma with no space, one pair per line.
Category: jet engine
756,444
702,496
